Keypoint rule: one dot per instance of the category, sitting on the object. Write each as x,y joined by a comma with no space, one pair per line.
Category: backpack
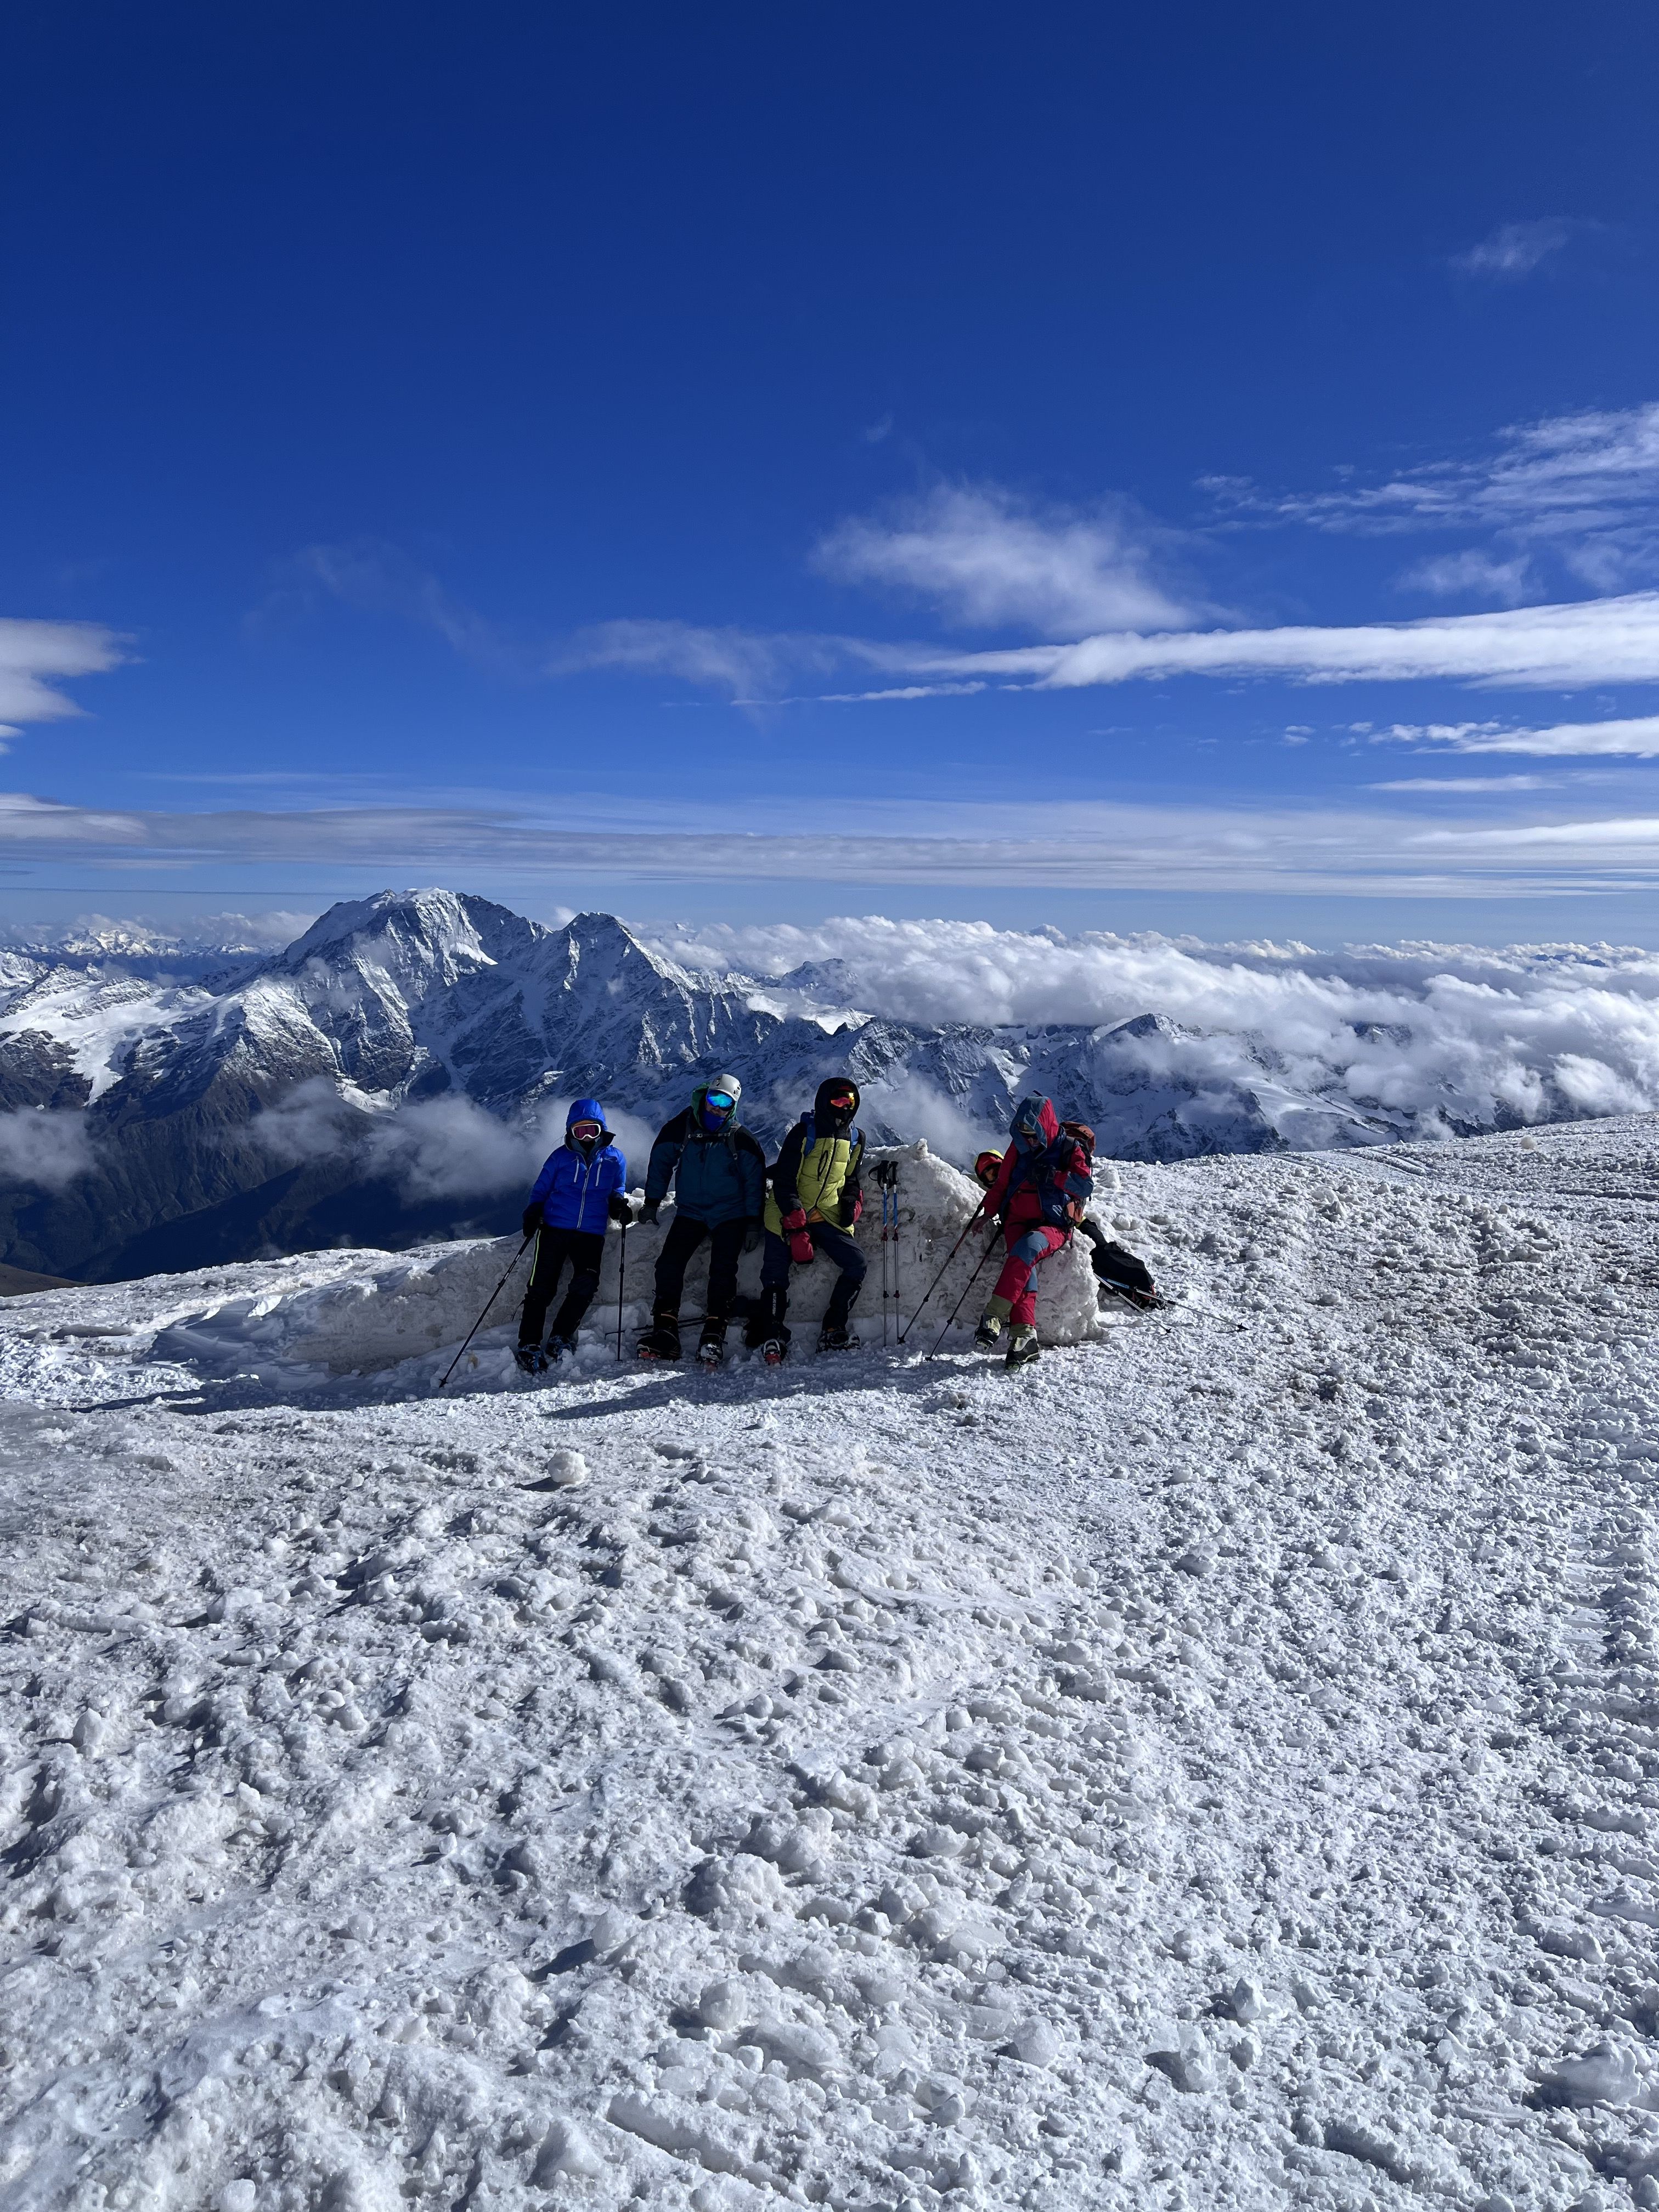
1063,1195
809,1135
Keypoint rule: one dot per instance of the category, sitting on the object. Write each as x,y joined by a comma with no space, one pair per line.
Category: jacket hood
823,1112
1035,1116
587,1109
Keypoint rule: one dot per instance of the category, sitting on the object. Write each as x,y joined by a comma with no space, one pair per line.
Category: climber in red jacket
1039,1195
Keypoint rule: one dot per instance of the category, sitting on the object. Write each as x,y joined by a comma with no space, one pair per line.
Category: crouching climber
1037,1196
578,1191
719,1174
1118,1271
815,1205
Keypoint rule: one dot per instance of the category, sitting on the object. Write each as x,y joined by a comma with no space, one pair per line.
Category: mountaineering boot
832,1338
711,1345
556,1348
530,1358
996,1312
662,1340
766,1332
1022,1348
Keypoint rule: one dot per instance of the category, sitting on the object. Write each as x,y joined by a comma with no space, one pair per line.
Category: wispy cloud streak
1516,249
1341,849
1635,738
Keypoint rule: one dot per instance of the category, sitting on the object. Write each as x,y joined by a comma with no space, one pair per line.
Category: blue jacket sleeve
615,1170
664,1158
544,1181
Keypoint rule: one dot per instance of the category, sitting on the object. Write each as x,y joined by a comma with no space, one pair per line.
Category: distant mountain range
159,1114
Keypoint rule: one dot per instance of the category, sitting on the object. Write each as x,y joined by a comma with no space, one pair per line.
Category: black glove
620,1209
754,1236
649,1213
532,1217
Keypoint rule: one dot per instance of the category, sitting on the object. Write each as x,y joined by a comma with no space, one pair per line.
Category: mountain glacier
393,1073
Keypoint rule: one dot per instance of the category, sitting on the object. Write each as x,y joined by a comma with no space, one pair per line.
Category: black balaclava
826,1117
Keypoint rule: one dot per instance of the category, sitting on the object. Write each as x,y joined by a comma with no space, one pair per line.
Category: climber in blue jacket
579,1190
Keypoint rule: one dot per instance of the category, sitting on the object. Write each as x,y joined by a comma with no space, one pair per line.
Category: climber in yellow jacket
814,1206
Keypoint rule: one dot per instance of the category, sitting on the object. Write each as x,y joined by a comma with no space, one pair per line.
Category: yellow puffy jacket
819,1173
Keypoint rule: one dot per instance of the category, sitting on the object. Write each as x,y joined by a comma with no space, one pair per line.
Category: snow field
1213,1767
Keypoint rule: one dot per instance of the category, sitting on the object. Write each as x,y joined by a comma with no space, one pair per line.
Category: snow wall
375,1310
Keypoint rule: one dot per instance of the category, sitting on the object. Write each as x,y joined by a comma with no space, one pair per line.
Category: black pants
1099,1248
725,1248
835,1244
584,1251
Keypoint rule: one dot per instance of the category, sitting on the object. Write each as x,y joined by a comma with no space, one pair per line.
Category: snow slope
1213,1767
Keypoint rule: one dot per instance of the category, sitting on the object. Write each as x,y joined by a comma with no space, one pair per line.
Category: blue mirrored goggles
719,1101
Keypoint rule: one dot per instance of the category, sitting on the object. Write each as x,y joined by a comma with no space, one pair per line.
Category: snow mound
366,1313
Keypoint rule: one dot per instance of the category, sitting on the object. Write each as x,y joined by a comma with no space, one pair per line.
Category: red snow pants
1028,1248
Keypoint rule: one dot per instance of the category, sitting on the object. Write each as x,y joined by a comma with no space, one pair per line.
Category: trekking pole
884,1260
490,1302
962,1300
887,1177
621,1276
939,1278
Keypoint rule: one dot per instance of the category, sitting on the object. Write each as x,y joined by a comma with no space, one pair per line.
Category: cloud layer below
1444,1034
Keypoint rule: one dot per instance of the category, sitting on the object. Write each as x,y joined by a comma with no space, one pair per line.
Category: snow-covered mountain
392,1073
1215,1767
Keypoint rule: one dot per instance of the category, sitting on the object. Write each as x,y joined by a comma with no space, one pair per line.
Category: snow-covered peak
595,952
418,940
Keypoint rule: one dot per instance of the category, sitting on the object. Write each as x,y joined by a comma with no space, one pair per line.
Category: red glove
858,1212
800,1236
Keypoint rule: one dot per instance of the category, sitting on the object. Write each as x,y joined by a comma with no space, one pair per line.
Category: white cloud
1434,1034
1472,574
1516,249
432,1149
985,559
43,1149
1563,647
35,654
901,691
1634,739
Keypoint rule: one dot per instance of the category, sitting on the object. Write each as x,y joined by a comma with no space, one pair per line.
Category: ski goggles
584,1132
719,1101
843,1101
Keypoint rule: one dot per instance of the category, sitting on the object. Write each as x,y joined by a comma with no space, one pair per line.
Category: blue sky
511,450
